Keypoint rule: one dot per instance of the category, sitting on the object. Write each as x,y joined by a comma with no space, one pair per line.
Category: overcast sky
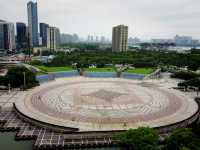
145,18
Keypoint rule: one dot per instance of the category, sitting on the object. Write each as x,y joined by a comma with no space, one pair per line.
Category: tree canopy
140,58
15,77
139,139
183,139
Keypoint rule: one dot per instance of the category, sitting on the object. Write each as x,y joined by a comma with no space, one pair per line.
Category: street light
24,79
9,88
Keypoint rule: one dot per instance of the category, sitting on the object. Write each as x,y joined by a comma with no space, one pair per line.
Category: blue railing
100,74
132,76
53,75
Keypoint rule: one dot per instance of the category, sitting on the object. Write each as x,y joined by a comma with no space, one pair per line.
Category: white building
53,38
120,38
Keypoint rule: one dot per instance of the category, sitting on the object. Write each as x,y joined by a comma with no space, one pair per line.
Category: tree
183,84
185,75
182,139
193,82
15,77
139,139
36,62
3,80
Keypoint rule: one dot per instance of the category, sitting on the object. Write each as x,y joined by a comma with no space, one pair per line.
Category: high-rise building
69,38
53,38
120,38
103,39
7,36
183,40
97,39
32,23
21,35
88,39
91,38
43,33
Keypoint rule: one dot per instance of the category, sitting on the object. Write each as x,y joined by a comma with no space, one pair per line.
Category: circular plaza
105,104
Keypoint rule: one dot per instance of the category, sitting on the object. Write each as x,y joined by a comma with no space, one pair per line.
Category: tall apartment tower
43,33
33,23
21,35
7,36
120,38
53,38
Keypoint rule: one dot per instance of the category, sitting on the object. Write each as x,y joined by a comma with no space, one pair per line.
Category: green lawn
40,73
54,69
144,71
108,69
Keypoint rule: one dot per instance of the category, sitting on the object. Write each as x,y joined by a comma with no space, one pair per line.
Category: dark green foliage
193,82
3,81
36,62
185,75
147,139
138,58
139,139
82,46
183,139
193,66
15,77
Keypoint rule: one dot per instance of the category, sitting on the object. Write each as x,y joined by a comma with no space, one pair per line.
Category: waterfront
8,142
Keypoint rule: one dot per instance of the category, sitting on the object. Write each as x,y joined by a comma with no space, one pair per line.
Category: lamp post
24,80
9,88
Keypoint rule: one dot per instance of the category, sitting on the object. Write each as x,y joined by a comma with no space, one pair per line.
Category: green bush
184,75
3,81
193,82
182,139
139,139
36,62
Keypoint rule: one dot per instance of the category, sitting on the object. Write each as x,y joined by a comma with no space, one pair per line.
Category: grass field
108,69
144,71
46,69
54,69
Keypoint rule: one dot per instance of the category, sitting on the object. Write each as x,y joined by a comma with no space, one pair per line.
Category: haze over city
146,19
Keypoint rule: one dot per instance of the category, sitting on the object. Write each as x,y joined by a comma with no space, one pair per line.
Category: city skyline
145,19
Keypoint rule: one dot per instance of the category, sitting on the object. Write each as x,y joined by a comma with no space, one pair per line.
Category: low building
39,50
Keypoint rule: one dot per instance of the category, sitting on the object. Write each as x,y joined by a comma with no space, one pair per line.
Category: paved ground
7,99
107,104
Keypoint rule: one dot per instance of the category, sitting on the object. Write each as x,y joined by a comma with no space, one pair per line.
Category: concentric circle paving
106,104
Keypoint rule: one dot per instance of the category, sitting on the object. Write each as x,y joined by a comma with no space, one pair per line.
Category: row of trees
148,139
137,58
